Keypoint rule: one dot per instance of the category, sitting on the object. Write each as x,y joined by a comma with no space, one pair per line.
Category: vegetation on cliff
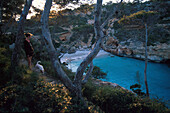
26,90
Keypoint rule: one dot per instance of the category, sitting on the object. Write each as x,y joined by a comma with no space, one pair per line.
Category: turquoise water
123,71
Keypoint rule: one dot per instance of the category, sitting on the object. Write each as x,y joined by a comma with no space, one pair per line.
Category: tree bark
51,50
88,73
146,60
19,37
99,35
74,87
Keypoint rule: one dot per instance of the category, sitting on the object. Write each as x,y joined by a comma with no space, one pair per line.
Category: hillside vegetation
30,91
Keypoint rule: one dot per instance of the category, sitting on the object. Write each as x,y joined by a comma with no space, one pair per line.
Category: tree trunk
75,87
146,60
99,35
19,37
88,73
51,50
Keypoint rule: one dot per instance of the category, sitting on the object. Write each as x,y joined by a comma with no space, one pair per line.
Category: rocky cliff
157,53
73,30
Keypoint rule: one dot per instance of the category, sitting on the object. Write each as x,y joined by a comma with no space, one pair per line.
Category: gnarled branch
88,73
94,52
52,51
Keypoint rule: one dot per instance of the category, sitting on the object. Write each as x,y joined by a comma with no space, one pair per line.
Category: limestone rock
72,50
112,41
136,49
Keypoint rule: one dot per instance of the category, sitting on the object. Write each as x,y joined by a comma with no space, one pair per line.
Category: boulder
155,58
112,42
128,52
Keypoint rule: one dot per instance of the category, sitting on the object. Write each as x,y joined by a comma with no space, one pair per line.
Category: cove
127,71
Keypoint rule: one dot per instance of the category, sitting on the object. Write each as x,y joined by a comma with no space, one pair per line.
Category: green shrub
57,29
39,97
40,51
6,40
36,31
49,68
5,57
116,25
97,73
158,34
115,100
70,20
73,37
143,15
136,88
84,29
85,39
5,63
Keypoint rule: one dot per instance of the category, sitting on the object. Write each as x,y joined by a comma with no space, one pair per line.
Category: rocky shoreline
159,53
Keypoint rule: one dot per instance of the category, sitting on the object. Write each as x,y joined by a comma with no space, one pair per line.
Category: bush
40,51
48,68
84,29
158,34
143,15
6,40
97,73
40,97
66,21
5,57
5,63
85,39
136,88
114,100
57,29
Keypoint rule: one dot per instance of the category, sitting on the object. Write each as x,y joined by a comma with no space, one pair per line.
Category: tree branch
88,73
111,14
94,52
52,51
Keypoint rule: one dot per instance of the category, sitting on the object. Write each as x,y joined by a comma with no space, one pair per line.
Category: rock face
158,53
72,50
113,85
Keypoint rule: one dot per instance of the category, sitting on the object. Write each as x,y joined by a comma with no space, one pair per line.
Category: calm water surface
124,71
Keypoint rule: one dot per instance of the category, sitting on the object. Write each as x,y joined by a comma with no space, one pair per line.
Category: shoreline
80,54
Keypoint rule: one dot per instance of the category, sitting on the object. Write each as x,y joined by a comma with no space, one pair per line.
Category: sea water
128,71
